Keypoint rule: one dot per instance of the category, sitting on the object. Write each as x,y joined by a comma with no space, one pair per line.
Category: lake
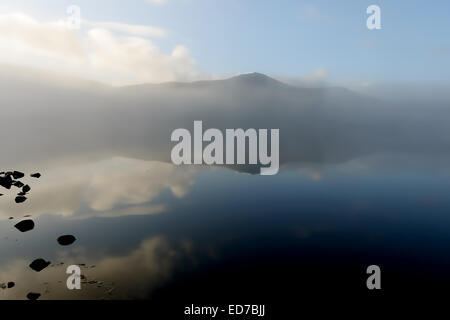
151,230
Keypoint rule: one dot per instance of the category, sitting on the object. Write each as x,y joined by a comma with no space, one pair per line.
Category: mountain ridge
25,74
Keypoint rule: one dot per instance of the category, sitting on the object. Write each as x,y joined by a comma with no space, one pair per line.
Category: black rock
66,240
20,199
26,188
35,175
6,182
33,296
25,225
11,284
39,264
17,175
18,184
10,218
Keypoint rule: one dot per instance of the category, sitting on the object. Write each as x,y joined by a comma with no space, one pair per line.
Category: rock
36,175
33,296
11,284
25,225
18,184
26,188
66,240
6,182
39,264
20,199
18,175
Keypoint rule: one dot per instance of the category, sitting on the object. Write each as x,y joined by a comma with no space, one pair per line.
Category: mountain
51,119
254,79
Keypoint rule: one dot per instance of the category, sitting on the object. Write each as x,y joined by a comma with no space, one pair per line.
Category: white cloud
131,29
95,52
21,32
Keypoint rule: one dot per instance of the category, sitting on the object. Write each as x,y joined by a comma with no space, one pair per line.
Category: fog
53,118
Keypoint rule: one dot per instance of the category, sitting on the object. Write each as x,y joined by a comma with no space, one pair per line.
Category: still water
150,230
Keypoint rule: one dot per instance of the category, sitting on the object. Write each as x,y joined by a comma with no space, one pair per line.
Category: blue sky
289,38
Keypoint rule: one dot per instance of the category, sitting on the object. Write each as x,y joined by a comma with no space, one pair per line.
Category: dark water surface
148,230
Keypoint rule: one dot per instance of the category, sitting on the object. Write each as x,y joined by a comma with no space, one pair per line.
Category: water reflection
151,230
101,188
132,275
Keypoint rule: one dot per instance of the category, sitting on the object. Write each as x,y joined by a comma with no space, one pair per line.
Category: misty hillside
74,118
244,84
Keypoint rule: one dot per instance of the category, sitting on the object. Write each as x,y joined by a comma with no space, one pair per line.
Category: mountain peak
255,78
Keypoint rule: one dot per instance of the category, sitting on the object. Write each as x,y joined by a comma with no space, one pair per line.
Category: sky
187,40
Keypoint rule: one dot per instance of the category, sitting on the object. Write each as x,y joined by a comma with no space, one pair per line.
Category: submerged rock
11,284
66,240
25,225
33,296
39,264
